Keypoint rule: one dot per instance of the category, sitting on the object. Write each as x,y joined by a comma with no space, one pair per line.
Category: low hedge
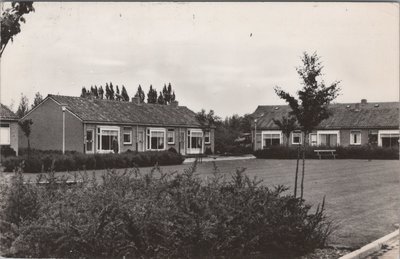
350,152
6,151
44,162
177,215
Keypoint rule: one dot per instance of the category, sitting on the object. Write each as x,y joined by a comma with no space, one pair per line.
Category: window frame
300,137
328,132
149,132
173,136
270,132
355,133
382,133
207,134
126,131
7,127
313,143
99,131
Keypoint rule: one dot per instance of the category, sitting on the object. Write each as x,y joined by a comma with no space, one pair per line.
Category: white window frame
126,132
310,139
352,133
270,132
148,138
173,136
325,132
190,150
207,134
385,132
5,129
301,137
100,140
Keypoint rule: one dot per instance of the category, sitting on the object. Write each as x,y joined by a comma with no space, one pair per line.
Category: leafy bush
174,215
6,151
43,162
349,152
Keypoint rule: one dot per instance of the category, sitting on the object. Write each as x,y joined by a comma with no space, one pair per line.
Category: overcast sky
221,56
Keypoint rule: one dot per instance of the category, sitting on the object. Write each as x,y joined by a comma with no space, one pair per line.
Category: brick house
8,128
351,124
102,126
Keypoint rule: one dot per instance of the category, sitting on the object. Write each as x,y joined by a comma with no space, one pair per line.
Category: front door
89,141
195,141
140,141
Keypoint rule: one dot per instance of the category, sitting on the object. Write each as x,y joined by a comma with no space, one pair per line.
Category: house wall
47,129
13,134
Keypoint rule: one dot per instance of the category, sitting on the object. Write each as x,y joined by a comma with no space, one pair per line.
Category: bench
326,152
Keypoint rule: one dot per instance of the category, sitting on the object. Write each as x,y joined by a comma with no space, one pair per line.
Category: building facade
350,124
8,128
104,126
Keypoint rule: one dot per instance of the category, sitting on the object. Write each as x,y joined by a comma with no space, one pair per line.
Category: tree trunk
29,149
297,171
304,162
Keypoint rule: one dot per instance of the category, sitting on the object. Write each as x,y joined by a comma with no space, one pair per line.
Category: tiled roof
110,111
344,116
7,114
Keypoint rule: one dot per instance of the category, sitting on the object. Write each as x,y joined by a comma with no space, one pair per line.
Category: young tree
26,129
84,92
141,94
38,99
112,93
311,107
124,94
10,21
23,107
161,99
101,92
152,95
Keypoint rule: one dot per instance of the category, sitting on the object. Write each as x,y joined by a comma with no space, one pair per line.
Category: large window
155,139
207,139
296,138
171,136
271,138
355,137
4,134
127,135
108,139
328,138
195,141
388,138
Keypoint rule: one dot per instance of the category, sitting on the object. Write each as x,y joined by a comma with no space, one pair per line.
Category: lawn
361,196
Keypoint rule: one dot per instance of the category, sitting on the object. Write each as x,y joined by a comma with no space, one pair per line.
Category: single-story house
350,124
8,128
102,126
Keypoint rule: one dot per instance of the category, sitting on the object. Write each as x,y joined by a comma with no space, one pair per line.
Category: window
296,138
313,139
4,134
271,138
195,141
171,136
127,135
155,139
108,139
207,138
328,138
355,137
388,138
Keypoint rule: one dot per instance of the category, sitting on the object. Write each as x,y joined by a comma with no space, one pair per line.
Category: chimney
136,99
174,103
363,101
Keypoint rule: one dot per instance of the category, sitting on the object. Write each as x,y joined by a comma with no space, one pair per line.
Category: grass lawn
361,196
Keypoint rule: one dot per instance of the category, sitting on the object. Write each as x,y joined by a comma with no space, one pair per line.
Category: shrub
39,162
166,215
6,151
349,152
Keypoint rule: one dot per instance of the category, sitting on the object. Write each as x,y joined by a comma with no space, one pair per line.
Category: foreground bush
157,215
350,152
43,162
6,151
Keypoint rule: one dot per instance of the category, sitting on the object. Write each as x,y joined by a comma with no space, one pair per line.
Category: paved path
389,251
219,158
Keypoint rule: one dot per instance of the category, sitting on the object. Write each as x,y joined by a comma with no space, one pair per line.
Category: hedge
44,162
177,215
350,152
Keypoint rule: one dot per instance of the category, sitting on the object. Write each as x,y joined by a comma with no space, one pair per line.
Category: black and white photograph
199,130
